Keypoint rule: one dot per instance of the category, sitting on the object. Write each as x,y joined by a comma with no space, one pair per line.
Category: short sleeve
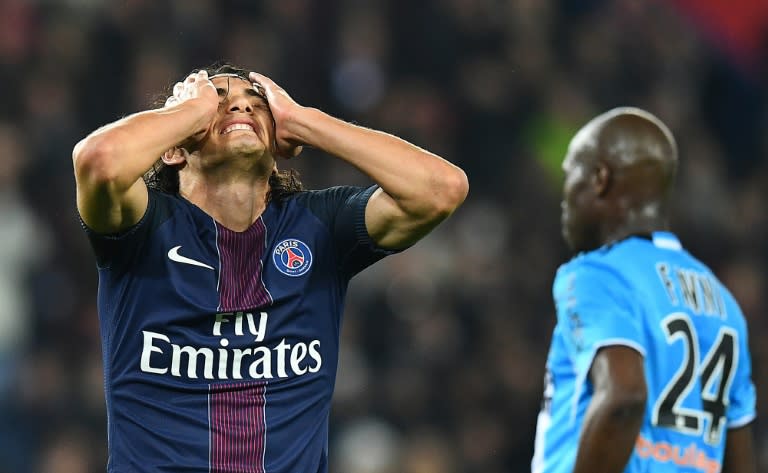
742,397
595,310
342,209
118,250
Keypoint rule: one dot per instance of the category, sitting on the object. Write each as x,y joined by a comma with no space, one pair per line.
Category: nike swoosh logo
174,255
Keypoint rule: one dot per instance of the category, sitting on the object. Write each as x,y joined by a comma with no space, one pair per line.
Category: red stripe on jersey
240,283
237,427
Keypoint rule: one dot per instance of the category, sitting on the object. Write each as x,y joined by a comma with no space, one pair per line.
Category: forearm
415,178
608,435
739,451
123,151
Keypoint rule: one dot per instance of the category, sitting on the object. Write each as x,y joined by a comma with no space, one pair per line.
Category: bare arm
739,451
110,162
418,189
615,414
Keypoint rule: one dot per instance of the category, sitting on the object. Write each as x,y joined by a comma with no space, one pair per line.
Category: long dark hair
165,178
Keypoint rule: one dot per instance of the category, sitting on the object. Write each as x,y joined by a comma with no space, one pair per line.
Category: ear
603,179
175,156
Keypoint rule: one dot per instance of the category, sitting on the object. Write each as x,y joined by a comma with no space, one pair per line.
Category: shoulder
617,259
336,194
594,272
328,204
603,262
118,250
162,206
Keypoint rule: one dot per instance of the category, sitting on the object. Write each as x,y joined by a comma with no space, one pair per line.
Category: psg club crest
292,257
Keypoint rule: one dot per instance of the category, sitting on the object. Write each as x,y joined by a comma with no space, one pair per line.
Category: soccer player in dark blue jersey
221,294
649,367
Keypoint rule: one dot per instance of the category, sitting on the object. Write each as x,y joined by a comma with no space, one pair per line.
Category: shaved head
625,136
620,169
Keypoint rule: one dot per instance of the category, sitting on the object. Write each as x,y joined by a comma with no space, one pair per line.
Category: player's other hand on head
284,110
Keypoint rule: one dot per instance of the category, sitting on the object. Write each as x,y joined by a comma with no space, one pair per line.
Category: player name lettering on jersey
161,356
697,290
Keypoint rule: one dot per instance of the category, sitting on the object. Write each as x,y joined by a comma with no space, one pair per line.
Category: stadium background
444,346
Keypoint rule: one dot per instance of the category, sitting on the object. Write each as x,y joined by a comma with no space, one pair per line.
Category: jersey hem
741,421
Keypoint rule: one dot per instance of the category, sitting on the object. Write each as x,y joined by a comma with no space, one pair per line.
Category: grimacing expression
243,123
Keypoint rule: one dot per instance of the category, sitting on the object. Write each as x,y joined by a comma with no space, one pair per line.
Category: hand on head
283,108
196,85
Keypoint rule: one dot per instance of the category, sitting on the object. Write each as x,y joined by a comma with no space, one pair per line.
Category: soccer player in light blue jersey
649,367
222,282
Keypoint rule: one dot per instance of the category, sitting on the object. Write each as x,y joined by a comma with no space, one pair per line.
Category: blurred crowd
444,345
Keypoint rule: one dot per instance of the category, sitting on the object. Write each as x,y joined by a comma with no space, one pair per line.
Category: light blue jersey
654,297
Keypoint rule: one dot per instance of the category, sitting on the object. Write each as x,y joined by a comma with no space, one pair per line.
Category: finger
177,88
257,85
287,149
170,101
191,78
261,79
290,152
296,150
259,89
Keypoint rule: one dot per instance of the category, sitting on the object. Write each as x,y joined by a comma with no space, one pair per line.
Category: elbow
450,191
628,406
93,160
458,187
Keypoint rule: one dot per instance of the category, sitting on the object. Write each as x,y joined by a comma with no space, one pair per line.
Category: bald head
627,136
619,170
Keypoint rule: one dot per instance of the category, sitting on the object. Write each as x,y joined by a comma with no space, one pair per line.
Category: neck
645,226
234,199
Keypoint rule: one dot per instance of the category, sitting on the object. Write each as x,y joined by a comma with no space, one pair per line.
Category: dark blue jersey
220,347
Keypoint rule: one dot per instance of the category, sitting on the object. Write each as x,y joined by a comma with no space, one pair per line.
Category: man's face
243,124
578,219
